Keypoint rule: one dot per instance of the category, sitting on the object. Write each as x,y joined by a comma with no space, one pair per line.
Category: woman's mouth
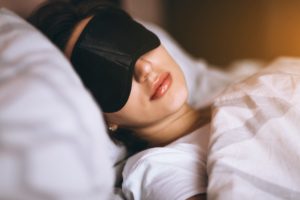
161,86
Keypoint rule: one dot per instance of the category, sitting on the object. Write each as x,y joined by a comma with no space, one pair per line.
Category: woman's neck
185,121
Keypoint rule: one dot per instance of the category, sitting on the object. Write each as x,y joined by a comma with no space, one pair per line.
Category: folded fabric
53,142
254,150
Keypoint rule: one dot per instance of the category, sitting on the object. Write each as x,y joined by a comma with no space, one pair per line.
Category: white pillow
53,144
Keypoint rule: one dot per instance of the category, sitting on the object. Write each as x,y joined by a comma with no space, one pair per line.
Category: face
158,90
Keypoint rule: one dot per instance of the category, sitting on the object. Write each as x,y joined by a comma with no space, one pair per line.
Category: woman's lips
161,86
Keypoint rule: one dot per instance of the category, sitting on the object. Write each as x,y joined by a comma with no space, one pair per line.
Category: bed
50,146
255,136
54,145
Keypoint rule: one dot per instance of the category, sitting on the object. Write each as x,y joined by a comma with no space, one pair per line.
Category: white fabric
176,171
53,144
254,150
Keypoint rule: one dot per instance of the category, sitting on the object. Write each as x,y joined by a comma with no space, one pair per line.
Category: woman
141,89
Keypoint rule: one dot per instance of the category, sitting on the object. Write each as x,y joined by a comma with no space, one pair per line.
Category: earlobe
112,127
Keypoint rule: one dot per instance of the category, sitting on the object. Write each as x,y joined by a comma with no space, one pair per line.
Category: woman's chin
177,101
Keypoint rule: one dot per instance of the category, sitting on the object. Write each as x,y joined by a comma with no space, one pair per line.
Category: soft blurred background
224,31
221,32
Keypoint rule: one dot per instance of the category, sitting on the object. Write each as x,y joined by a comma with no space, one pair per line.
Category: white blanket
53,142
255,137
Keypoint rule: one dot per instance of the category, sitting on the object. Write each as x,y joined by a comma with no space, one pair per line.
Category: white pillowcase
53,142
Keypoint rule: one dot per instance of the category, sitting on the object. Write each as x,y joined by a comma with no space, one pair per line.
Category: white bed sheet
255,136
53,142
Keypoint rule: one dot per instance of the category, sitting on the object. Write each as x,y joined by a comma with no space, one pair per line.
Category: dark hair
57,20
133,143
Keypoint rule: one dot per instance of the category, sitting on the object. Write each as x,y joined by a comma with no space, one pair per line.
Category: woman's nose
143,70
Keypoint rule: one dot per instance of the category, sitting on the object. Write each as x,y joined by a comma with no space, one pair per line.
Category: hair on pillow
53,142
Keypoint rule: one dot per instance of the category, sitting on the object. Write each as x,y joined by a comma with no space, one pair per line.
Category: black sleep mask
105,55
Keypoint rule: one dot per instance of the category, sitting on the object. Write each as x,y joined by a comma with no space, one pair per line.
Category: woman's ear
112,127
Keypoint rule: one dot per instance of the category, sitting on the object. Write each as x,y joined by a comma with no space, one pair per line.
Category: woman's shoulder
182,165
188,150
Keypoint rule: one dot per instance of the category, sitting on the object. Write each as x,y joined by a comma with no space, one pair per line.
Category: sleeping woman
142,93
